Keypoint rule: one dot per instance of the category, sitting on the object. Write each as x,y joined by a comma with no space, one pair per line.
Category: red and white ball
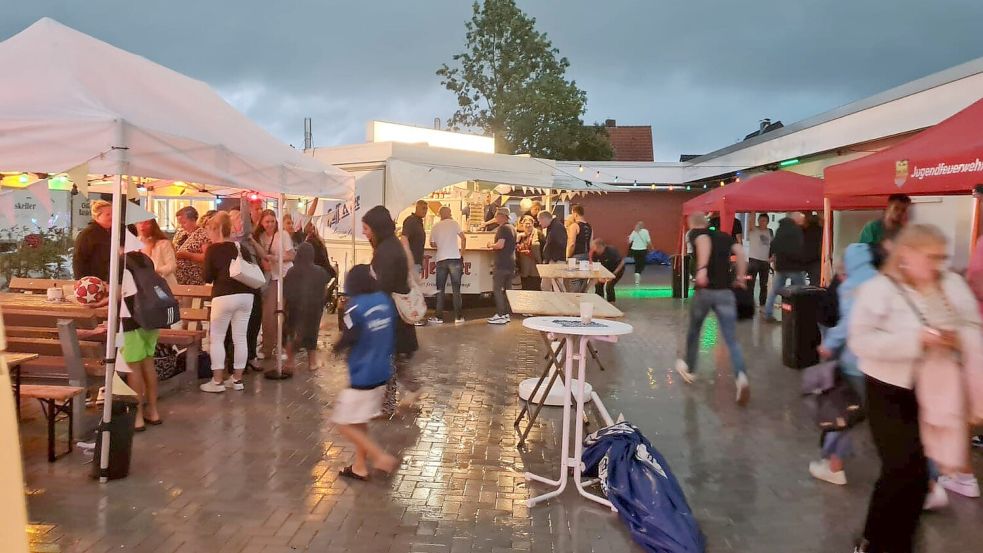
90,290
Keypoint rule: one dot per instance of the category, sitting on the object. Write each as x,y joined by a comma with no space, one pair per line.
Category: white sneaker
494,318
212,387
236,385
743,389
638,279
500,320
936,498
683,369
821,471
435,321
459,321
962,484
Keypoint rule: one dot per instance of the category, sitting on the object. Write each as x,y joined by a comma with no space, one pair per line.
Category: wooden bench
57,403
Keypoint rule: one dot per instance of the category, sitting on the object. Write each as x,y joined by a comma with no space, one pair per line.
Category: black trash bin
120,438
800,326
680,284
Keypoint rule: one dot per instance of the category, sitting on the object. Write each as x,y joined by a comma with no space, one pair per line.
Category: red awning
944,159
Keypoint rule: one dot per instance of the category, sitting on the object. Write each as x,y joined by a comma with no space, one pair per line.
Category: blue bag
657,257
636,479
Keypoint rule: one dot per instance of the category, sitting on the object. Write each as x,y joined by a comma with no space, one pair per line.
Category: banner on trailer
476,276
338,218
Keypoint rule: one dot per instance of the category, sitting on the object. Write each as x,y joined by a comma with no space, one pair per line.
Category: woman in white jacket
916,333
160,250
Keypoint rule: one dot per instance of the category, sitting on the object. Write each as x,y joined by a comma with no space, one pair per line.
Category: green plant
36,253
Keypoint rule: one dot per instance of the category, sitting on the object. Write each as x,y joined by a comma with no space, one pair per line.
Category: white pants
232,309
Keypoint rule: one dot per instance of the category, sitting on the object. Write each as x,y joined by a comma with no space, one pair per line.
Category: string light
721,183
687,188
636,182
616,178
670,188
597,175
580,168
653,187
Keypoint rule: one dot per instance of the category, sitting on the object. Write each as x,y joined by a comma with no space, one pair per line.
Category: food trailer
397,174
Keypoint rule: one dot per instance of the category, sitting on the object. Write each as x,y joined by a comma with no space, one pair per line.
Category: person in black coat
786,254
812,248
90,256
302,283
390,262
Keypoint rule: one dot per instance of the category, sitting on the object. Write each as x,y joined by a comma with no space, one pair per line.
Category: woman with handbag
391,265
916,332
232,301
271,241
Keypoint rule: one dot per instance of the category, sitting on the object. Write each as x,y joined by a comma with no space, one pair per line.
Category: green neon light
789,162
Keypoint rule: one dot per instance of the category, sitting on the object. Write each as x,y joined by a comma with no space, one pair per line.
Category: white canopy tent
76,101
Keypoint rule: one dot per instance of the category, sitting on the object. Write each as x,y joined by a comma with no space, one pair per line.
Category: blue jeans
724,305
840,442
797,278
453,268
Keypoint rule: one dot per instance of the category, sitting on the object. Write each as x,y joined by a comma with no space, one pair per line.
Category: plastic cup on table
585,266
597,266
571,263
55,293
586,312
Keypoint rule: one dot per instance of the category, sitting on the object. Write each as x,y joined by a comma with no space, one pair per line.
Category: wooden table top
555,270
15,359
565,304
37,304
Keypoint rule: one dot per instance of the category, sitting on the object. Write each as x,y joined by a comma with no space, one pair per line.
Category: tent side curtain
944,159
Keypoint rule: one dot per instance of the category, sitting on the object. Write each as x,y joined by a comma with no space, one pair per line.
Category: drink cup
55,293
586,312
585,265
597,266
571,263
68,292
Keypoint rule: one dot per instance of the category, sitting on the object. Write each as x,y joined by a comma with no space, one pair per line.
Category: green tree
511,82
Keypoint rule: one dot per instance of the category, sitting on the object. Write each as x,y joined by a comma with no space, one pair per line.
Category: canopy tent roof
414,170
78,101
944,159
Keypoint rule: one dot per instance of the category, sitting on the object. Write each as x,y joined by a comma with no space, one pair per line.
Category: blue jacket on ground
858,260
370,331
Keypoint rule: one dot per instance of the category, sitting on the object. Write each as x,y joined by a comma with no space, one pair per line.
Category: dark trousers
639,257
814,269
606,290
453,268
252,332
532,283
896,504
758,269
502,281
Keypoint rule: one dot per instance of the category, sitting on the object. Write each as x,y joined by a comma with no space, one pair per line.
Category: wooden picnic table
37,304
566,304
558,273
14,361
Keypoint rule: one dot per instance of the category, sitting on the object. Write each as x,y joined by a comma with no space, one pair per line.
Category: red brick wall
614,215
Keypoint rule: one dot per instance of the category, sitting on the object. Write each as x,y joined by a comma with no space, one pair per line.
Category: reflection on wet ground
257,471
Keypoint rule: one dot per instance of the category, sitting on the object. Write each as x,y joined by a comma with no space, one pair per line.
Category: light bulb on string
721,183
636,182
580,168
653,187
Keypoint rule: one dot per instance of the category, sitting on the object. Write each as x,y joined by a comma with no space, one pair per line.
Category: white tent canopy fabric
78,99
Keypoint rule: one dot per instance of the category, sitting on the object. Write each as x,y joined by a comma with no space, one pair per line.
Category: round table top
573,326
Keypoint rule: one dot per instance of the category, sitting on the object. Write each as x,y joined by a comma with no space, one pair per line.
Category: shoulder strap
908,300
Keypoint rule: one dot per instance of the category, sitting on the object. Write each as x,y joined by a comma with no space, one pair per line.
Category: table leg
552,362
565,461
17,390
578,444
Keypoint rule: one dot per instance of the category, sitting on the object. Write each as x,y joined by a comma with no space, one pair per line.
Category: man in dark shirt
610,259
504,246
414,237
555,245
714,281
737,232
90,256
786,253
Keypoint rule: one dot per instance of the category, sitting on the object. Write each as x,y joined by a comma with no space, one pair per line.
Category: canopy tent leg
278,373
974,234
827,268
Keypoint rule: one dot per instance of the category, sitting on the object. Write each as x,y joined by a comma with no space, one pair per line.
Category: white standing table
577,337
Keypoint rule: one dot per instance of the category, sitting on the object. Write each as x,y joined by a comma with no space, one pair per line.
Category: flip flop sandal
347,472
154,422
139,428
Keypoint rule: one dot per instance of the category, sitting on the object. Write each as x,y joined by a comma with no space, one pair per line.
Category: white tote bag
245,272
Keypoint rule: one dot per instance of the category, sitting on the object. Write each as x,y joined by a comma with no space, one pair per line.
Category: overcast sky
701,73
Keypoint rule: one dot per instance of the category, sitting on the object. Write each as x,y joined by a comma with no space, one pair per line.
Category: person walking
190,244
444,237
916,332
786,253
232,302
504,269
159,249
529,253
303,286
812,249
368,336
759,255
611,260
639,246
858,261
555,244
272,243
713,292
392,270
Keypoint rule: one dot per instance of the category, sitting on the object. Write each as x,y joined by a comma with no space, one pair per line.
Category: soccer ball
89,290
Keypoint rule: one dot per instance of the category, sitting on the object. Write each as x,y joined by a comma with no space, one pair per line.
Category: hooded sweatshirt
787,246
303,296
858,264
391,269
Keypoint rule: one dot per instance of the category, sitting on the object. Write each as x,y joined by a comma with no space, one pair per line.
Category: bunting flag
131,188
7,207
135,213
131,243
505,198
39,189
80,178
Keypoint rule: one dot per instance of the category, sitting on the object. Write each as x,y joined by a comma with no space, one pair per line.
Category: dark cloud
701,72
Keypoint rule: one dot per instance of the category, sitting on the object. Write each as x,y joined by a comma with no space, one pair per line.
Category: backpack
154,305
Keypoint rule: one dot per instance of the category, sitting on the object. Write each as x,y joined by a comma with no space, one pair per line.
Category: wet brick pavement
256,472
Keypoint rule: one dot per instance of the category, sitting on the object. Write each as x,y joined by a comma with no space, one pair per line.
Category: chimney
610,123
436,123
308,136
763,124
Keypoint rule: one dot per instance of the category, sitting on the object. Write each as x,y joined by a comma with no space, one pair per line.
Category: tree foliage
511,82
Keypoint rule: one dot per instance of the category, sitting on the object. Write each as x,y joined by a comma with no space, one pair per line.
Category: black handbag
834,403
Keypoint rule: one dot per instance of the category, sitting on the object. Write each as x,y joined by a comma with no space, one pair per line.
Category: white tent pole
112,324
827,261
279,291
